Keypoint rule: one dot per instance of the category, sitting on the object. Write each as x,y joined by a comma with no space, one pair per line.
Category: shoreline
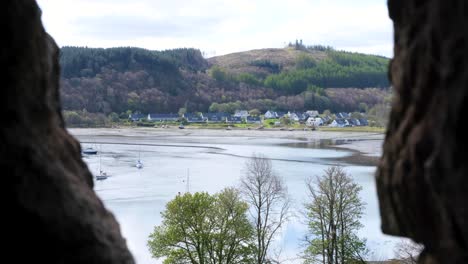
366,147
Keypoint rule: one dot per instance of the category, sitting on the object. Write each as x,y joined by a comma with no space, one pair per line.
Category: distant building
163,117
270,115
338,123
253,120
215,117
314,121
137,117
352,122
194,118
302,117
363,122
293,116
280,114
234,119
342,115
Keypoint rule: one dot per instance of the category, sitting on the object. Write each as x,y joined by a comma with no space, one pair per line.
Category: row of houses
197,118
310,118
340,122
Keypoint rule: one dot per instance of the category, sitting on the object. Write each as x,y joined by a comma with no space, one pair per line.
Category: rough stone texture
56,216
422,178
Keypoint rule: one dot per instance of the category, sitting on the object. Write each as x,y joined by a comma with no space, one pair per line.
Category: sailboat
102,174
89,151
139,163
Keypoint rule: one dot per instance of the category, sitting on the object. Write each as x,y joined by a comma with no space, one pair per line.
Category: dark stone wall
422,178
56,215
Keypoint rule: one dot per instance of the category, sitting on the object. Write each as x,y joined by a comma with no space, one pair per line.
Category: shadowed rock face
422,178
57,217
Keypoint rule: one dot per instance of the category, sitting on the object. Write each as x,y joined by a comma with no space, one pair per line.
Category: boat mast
100,161
188,181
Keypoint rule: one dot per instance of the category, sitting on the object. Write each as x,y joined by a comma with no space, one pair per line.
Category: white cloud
220,26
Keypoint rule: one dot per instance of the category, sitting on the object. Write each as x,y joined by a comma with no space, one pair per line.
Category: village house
342,115
137,117
363,122
194,118
270,115
339,123
280,114
314,121
234,120
353,122
163,117
215,117
293,116
253,120
302,117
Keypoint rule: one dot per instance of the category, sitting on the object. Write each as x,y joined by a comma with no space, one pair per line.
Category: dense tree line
121,79
87,62
333,99
340,69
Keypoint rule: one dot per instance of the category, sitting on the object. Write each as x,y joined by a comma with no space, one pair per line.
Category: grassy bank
354,129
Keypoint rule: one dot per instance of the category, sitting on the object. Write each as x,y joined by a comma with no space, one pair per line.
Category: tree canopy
201,228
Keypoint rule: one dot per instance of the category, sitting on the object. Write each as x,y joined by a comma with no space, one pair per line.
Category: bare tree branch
269,202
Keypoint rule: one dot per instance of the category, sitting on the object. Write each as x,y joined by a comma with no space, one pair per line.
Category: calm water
137,197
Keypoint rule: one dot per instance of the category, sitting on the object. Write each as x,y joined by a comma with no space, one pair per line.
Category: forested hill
296,77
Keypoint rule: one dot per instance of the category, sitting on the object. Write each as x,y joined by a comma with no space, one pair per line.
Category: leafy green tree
214,107
201,228
72,118
305,62
326,112
356,115
333,215
114,117
182,111
285,120
363,107
220,74
255,112
247,78
379,114
317,90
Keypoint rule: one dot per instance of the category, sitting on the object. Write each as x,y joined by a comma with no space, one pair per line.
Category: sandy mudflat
367,147
296,134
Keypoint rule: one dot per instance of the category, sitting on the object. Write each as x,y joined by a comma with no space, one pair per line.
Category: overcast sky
219,27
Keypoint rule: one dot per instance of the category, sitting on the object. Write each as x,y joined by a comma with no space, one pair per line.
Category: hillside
244,62
132,79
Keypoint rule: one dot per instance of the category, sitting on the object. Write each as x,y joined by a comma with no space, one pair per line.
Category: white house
314,121
270,114
339,123
293,116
